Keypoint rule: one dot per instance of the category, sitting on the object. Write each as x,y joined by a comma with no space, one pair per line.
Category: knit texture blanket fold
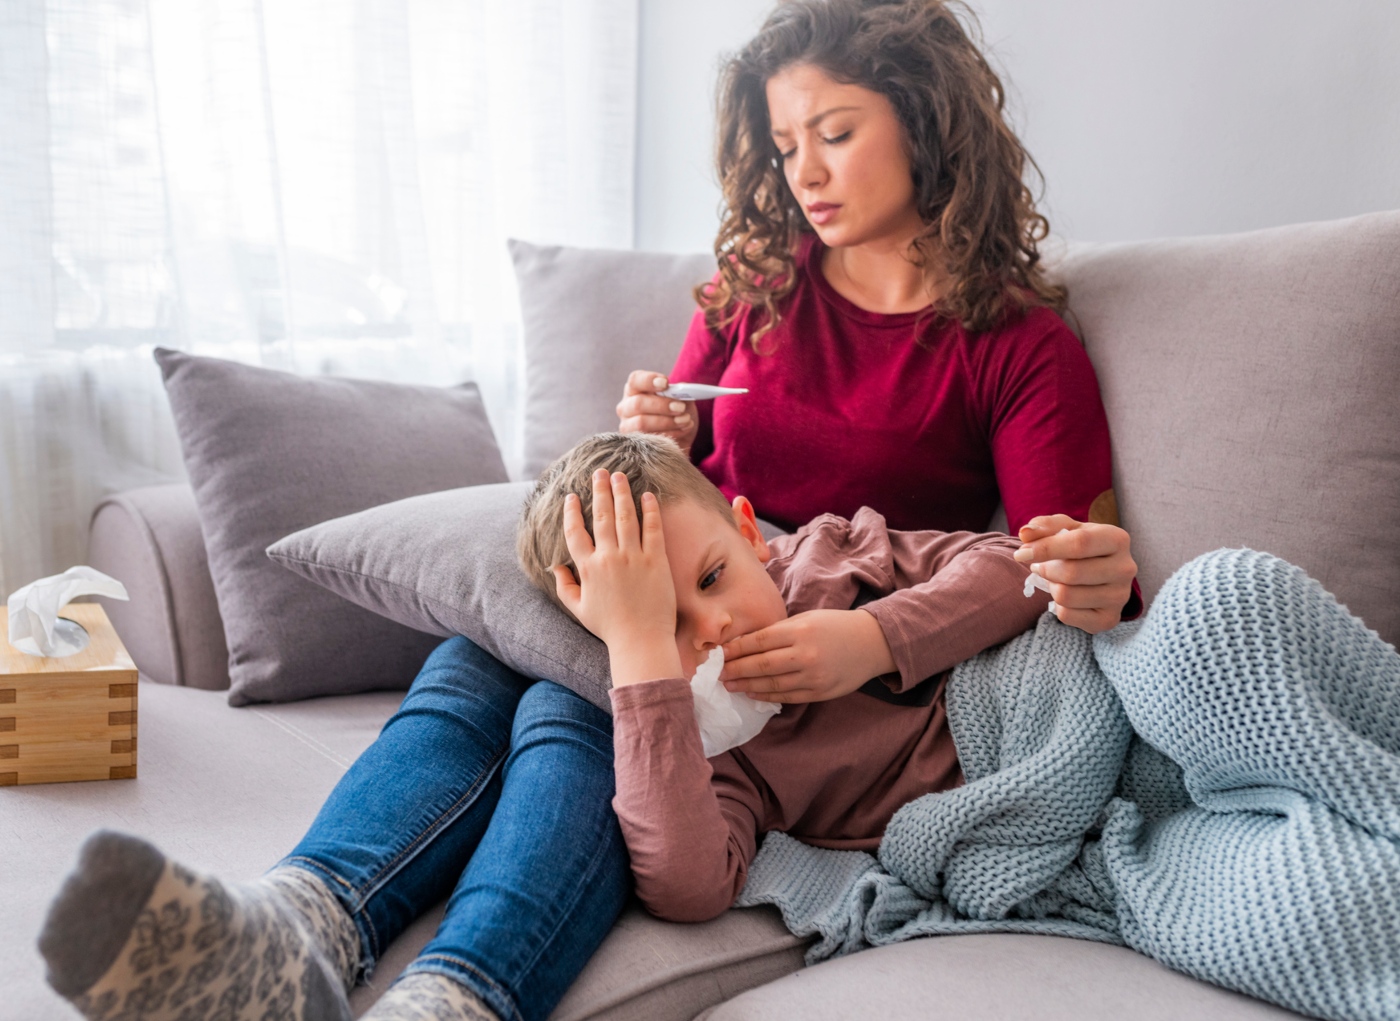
1216,786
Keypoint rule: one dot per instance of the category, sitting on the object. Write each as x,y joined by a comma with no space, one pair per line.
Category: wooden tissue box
69,718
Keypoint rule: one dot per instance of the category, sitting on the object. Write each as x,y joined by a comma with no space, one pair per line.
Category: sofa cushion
1251,383
951,978
149,539
590,317
445,563
271,452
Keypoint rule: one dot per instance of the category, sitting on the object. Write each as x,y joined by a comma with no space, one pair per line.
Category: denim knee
464,679
548,703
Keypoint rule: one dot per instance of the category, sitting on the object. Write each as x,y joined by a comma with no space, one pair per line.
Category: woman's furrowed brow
814,120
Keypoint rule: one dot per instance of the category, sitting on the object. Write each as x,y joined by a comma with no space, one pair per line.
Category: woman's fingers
647,413
662,425
1062,538
1092,621
644,381
1093,571
650,404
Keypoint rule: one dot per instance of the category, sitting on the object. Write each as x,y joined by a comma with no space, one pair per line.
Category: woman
871,135
880,296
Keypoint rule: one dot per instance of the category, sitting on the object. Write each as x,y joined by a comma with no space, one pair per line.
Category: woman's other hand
1089,568
809,657
642,411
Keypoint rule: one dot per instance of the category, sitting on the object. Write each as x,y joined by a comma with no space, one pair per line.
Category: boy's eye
711,578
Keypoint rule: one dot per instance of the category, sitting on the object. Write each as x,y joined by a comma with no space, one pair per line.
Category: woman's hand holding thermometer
652,404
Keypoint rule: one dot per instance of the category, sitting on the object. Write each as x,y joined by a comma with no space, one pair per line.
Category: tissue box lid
104,651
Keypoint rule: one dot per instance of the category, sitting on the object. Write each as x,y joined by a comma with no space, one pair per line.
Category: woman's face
843,153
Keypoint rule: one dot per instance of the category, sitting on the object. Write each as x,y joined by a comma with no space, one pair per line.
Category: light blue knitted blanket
1216,786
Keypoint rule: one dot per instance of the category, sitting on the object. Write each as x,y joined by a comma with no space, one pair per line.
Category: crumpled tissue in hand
34,609
1033,582
727,718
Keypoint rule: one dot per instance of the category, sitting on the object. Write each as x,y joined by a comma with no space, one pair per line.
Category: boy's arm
957,594
690,826
689,857
946,597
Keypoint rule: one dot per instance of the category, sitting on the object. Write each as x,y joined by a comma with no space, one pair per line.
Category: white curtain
312,185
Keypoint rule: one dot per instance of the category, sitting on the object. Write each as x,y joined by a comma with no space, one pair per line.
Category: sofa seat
229,791
993,978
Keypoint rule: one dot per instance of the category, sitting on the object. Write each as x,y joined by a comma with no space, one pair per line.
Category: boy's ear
747,523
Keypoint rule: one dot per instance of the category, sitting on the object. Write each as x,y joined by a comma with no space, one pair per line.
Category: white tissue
34,609
1033,582
727,718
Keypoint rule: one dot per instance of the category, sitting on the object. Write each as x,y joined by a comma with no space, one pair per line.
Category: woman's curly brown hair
981,226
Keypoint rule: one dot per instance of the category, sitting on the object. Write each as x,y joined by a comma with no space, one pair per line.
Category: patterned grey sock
132,934
427,996
328,924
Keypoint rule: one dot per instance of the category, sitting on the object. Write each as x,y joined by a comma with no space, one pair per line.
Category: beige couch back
1253,389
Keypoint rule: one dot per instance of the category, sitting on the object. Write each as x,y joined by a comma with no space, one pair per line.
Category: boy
665,578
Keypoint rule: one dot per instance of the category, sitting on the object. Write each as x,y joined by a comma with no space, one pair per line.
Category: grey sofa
1250,383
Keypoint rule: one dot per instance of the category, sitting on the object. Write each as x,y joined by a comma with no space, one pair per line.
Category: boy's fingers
749,669
776,683
567,586
624,513
653,535
754,642
604,531
576,537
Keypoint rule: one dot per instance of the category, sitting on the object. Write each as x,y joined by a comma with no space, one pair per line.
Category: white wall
682,47
1147,118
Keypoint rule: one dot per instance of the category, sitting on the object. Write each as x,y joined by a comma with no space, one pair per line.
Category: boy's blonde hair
652,464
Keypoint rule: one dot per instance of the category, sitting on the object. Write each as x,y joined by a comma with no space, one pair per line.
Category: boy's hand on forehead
623,593
809,657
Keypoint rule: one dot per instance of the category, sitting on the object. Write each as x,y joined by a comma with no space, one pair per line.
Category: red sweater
847,409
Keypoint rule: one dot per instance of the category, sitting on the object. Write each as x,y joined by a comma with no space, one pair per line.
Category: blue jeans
498,791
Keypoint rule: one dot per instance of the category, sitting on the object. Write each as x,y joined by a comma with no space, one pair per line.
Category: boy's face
722,589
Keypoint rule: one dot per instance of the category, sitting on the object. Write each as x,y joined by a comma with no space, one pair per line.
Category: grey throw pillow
445,564
590,316
269,453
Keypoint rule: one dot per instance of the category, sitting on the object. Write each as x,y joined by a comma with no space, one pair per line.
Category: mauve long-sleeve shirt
828,773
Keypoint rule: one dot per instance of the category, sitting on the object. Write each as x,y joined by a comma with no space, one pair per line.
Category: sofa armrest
149,539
